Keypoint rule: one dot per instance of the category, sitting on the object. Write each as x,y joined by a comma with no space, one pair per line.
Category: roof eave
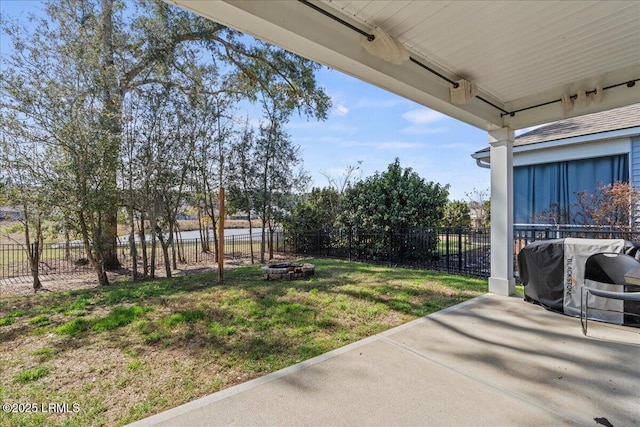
485,155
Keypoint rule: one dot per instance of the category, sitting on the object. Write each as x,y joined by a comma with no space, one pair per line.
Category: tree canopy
393,200
457,214
130,104
316,210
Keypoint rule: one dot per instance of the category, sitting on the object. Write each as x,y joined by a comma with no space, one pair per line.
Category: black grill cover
541,267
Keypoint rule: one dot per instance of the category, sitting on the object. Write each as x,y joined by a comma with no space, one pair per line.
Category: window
538,187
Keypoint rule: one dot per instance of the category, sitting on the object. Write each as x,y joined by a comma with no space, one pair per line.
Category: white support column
501,145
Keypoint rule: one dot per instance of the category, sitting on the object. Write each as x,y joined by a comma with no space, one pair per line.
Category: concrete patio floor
494,360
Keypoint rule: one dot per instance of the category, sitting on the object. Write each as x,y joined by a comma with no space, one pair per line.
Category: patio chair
610,269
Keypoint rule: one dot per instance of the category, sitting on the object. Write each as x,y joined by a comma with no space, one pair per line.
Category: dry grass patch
131,350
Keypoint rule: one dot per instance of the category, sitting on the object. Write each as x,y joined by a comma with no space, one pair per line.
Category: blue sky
373,126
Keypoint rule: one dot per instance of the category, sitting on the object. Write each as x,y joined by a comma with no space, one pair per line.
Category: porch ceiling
519,53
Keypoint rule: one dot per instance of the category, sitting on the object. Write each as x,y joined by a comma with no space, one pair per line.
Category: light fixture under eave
385,47
462,92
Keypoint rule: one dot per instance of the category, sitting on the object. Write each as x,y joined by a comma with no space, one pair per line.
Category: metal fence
71,259
532,232
527,233
457,250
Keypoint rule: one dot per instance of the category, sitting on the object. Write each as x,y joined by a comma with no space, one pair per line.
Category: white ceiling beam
299,29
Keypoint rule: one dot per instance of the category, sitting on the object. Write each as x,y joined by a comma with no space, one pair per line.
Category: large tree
23,167
48,95
277,167
244,185
612,205
394,200
316,210
157,161
113,48
400,208
312,219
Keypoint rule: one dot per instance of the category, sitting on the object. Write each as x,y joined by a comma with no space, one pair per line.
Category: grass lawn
131,350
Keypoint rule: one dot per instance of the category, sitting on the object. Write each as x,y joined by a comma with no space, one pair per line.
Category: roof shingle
605,121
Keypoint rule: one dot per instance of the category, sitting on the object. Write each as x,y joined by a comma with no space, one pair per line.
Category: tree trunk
110,234
112,109
179,245
34,263
172,238
169,243
96,263
251,237
215,241
67,245
266,200
263,238
165,253
154,239
152,264
209,209
143,246
200,228
271,232
33,250
204,231
133,249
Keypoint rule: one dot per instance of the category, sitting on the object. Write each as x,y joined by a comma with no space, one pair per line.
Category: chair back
609,267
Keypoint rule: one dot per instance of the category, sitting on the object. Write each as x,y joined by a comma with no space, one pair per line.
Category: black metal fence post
459,249
233,247
447,249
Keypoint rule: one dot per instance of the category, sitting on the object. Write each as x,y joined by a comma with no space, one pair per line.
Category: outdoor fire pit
287,271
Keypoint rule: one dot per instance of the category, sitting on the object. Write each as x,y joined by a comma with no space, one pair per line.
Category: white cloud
341,110
423,116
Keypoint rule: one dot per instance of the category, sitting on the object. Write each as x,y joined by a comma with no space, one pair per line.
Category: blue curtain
537,187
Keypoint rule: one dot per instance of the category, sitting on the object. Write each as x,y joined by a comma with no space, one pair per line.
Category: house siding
634,171
635,161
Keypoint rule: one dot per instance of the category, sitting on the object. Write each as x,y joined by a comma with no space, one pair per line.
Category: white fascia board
306,32
563,153
577,144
